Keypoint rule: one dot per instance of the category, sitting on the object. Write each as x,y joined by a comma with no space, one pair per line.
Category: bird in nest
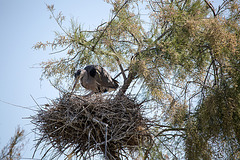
96,79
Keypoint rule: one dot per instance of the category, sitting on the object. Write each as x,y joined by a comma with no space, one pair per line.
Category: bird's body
96,79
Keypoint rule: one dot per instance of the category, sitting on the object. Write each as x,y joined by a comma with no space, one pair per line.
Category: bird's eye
77,73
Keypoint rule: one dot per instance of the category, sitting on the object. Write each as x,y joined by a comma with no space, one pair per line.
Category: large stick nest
80,125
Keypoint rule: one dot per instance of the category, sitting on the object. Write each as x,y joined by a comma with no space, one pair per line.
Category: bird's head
78,75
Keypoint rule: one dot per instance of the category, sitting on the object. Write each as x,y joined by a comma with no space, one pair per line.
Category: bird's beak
75,83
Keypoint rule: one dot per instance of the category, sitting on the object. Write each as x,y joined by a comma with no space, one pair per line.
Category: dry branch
88,125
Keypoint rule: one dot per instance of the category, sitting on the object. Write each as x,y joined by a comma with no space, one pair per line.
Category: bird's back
102,77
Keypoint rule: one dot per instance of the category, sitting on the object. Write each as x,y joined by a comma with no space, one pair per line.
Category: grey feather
97,79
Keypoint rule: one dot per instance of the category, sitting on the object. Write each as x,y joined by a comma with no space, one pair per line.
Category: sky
22,24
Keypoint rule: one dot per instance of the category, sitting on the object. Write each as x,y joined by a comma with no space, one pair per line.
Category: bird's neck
84,77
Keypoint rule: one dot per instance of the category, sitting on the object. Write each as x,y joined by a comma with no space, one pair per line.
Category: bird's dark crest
91,69
93,72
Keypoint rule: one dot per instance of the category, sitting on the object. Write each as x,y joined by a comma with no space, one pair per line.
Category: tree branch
211,7
93,48
120,73
127,82
119,64
164,33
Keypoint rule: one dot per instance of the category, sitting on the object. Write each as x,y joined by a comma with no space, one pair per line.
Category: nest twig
80,125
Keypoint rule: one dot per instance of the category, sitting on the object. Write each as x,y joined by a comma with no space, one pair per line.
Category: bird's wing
102,77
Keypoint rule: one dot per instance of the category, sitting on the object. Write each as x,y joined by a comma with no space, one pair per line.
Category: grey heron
96,79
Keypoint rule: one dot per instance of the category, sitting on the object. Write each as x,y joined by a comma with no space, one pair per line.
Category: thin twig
120,73
17,105
211,7
109,23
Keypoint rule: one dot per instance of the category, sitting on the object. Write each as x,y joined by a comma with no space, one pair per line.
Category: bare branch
119,64
211,7
120,73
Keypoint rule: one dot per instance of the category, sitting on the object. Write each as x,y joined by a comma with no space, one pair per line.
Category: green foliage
219,113
196,144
